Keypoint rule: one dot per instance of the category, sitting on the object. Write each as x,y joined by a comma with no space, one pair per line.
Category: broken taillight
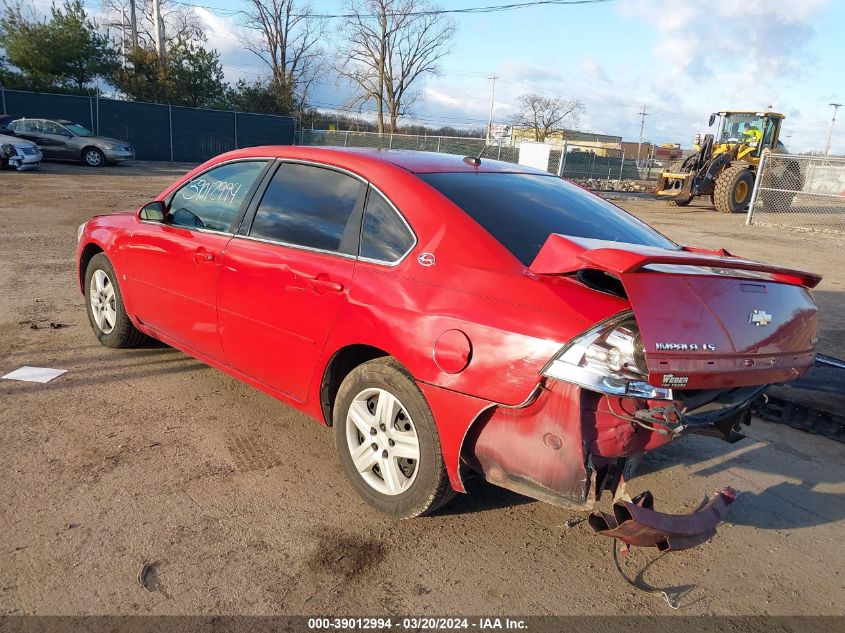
608,358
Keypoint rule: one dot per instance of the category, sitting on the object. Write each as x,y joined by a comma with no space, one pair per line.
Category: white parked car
18,153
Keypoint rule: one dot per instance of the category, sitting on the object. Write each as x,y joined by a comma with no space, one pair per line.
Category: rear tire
379,405
733,189
104,305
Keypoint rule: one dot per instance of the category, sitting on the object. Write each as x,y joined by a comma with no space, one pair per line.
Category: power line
461,11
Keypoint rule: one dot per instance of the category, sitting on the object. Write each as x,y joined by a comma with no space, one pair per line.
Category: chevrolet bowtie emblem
760,318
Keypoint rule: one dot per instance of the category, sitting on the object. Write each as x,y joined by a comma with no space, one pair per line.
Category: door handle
202,257
319,283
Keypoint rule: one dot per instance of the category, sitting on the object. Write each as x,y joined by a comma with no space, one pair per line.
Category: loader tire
733,189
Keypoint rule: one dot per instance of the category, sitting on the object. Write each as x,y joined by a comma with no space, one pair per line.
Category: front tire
93,157
104,305
733,189
387,441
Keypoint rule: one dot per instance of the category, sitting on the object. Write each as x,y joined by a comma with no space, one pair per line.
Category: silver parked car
18,153
67,140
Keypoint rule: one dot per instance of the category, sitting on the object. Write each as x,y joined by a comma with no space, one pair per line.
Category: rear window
522,210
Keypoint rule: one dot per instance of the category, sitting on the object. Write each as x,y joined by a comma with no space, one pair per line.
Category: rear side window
522,210
51,127
312,207
212,200
384,235
25,126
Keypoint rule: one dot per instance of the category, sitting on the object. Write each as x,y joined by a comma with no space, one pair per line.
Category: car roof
417,162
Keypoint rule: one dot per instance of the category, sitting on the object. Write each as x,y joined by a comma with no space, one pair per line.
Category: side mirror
712,120
154,211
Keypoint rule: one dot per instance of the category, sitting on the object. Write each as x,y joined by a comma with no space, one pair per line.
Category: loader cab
739,127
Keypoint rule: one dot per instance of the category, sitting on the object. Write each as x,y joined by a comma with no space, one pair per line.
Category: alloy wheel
382,441
92,157
102,300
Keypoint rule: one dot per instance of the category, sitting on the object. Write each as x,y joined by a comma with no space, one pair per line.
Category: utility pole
158,24
492,102
123,35
836,107
133,24
643,115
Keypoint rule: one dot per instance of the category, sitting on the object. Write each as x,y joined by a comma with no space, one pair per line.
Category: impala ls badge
426,259
760,318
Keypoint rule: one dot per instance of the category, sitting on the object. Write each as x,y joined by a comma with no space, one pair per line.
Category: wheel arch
341,363
89,147
88,252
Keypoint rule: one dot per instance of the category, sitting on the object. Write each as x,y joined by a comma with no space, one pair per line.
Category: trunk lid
708,320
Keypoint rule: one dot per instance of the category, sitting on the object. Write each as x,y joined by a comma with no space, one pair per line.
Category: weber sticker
671,380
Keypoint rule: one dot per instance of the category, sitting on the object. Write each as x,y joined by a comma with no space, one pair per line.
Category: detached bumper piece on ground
636,522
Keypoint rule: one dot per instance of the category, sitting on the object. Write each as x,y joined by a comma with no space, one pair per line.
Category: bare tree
287,41
181,24
546,115
388,45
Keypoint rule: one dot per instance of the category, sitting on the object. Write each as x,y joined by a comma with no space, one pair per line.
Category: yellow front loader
724,165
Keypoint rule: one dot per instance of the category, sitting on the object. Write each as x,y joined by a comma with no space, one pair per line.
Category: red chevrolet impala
444,314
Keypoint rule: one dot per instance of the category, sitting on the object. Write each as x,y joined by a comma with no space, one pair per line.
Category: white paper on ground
34,374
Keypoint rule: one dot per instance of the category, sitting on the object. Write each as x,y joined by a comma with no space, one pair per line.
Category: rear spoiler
562,254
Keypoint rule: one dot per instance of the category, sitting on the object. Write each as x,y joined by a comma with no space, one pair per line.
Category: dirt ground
148,456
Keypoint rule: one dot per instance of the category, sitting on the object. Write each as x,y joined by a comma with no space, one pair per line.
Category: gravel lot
149,456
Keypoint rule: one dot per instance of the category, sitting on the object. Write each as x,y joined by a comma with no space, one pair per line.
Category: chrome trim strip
296,246
186,228
300,161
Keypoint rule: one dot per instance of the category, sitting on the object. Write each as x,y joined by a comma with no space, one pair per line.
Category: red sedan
444,314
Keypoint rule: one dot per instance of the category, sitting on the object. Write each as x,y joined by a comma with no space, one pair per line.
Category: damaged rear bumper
569,445
636,522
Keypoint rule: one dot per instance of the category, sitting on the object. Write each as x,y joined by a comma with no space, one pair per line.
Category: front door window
213,199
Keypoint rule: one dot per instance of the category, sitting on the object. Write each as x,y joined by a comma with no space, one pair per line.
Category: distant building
602,145
599,144
630,150
664,153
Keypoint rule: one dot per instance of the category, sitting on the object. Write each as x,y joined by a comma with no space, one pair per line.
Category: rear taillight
608,358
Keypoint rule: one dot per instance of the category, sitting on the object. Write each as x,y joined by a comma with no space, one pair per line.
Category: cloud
595,71
728,54
223,34
432,94
765,37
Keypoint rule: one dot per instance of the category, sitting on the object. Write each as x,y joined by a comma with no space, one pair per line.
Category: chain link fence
156,131
574,161
800,192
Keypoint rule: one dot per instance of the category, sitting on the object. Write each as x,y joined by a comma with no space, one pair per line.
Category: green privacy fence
156,131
